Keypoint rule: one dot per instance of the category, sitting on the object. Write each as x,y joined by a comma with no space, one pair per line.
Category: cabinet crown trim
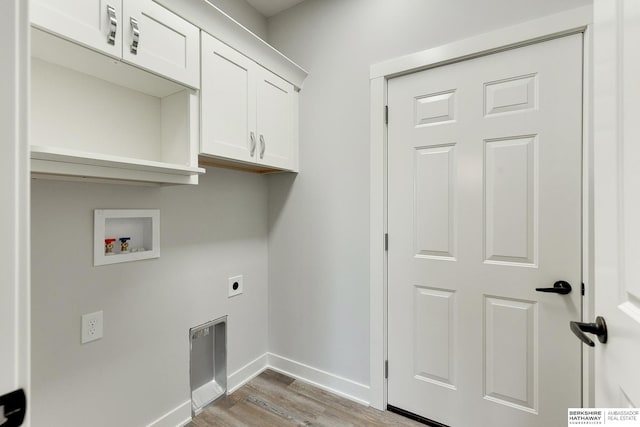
212,20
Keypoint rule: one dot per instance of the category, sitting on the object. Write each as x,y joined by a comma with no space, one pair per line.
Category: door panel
512,94
86,22
510,227
167,44
276,113
511,373
617,202
484,199
434,325
228,102
435,196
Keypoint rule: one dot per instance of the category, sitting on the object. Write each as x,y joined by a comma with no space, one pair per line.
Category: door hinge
386,241
386,369
582,288
386,114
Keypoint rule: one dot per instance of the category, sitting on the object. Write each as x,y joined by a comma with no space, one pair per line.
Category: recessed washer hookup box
208,363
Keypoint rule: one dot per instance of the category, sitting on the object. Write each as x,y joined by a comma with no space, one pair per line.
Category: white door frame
15,363
569,22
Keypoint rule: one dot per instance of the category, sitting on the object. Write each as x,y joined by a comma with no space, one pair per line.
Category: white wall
140,369
318,242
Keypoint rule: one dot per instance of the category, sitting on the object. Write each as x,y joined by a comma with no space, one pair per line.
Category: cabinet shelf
79,157
61,161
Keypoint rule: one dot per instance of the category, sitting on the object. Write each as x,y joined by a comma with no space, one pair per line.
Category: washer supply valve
108,246
124,244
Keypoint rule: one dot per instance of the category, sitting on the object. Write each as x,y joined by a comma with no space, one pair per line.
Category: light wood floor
273,399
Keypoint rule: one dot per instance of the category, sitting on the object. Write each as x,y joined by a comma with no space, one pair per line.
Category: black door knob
599,328
560,287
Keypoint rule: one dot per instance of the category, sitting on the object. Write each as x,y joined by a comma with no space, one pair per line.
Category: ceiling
271,7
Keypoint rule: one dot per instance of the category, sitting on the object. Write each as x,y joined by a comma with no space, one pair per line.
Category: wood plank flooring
273,399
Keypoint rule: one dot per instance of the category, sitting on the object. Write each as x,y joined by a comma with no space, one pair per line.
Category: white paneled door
617,202
484,206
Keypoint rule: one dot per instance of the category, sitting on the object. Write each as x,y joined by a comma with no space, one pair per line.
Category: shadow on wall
280,189
225,207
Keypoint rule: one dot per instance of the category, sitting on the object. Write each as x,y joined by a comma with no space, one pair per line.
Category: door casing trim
574,21
15,288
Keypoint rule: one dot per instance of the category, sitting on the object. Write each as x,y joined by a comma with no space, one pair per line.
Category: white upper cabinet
160,41
276,117
140,32
143,103
248,114
228,112
93,23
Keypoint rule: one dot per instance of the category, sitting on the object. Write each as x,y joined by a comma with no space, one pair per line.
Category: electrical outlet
91,327
235,286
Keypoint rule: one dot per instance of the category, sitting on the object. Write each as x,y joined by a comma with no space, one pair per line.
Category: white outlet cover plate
234,292
91,327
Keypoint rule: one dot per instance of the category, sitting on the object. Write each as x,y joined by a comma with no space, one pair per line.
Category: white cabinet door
228,109
166,44
93,23
276,120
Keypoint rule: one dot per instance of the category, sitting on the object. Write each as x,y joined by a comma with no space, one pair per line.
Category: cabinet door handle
136,36
252,139
263,146
113,25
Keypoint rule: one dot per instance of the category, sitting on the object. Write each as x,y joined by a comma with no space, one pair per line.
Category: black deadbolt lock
235,286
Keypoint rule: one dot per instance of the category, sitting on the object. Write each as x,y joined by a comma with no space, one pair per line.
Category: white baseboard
177,417
332,383
246,373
